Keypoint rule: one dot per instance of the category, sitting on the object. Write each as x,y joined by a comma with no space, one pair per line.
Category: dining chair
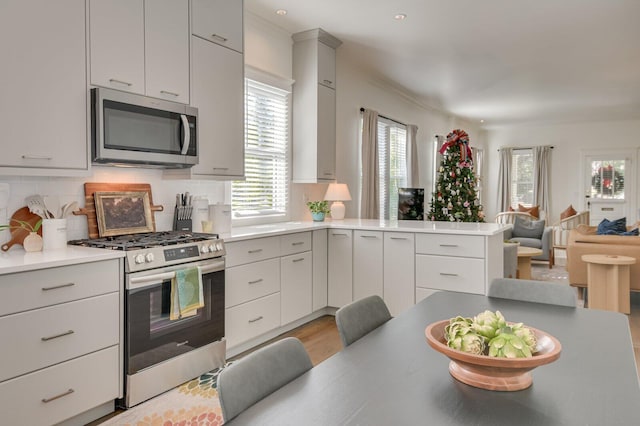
533,291
250,379
361,317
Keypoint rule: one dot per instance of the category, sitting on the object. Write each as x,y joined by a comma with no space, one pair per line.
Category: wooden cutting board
18,234
89,208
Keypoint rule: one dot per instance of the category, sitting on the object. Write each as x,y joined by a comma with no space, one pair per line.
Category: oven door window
152,337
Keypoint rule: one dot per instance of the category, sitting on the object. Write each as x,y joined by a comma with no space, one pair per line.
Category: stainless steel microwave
134,129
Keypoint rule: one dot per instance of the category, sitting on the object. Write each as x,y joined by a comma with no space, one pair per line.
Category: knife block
180,224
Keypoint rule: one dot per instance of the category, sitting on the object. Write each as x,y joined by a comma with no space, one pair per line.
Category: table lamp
337,192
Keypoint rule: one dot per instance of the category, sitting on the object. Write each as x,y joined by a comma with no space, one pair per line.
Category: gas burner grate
146,240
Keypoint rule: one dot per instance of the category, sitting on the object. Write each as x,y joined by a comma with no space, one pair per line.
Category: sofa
584,240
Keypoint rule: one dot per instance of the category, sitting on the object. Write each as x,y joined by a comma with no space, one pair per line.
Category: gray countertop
392,376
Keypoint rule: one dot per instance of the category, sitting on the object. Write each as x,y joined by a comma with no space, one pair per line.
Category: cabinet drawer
251,319
450,245
81,383
252,281
47,336
241,252
34,289
295,243
450,273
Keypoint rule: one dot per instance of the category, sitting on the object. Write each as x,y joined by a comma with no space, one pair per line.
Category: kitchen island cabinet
61,312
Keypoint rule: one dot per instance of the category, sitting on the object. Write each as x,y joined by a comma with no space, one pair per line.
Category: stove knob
204,249
212,248
139,259
149,257
219,246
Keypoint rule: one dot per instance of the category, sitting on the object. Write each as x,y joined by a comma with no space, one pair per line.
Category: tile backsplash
61,190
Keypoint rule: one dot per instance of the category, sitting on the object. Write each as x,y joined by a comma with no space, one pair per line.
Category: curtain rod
522,148
386,118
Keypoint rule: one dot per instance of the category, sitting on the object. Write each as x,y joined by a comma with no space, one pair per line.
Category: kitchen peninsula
282,275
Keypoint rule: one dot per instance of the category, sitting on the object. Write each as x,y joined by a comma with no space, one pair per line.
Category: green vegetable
460,336
508,345
488,323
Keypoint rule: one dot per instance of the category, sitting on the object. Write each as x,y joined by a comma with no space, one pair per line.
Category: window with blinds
265,190
392,157
522,177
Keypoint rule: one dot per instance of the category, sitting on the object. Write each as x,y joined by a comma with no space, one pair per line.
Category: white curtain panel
413,175
370,197
504,180
541,176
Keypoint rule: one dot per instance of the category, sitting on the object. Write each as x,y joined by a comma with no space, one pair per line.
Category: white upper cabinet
117,44
44,88
166,27
141,47
314,106
219,21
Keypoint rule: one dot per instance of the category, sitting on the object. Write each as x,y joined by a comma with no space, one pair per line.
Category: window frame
513,202
286,85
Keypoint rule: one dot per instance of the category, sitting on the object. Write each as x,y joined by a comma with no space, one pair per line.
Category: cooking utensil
36,205
68,208
18,234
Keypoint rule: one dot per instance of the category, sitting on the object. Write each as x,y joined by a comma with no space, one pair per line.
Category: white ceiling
503,61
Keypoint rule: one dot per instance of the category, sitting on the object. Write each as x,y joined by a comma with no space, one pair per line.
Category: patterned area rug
541,272
194,403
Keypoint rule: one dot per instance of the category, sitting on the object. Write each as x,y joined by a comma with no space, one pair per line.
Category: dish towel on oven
186,293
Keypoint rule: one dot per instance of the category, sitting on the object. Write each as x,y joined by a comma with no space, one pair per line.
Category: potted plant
33,241
318,209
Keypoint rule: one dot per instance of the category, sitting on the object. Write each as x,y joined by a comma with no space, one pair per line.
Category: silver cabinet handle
298,260
220,168
165,92
256,319
126,83
448,245
256,281
55,287
447,274
368,236
328,174
53,398
297,243
327,81
219,37
399,238
339,234
66,333
254,251
36,157
182,343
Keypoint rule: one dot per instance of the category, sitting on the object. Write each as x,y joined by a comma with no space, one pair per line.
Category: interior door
609,183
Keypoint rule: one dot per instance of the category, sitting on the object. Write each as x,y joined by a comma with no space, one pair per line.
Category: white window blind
522,177
392,155
265,191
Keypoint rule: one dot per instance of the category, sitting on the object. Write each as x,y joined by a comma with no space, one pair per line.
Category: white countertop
460,228
17,260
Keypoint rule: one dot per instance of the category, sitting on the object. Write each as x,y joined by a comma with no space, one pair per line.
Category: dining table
392,376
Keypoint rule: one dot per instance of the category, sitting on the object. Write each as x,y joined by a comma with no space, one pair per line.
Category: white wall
570,141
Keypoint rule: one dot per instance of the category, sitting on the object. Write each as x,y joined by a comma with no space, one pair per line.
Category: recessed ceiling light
281,12
400,16
482,121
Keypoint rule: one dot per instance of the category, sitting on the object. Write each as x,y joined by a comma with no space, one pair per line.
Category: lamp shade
337,192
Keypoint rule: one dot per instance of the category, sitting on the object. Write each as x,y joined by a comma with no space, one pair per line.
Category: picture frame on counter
120,213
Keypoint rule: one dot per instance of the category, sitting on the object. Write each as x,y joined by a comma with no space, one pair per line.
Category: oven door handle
138,282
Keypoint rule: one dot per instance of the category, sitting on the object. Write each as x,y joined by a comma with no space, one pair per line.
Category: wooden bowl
492,373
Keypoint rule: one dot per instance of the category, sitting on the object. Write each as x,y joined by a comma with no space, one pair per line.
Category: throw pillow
568,212
533,210
612,227
524,228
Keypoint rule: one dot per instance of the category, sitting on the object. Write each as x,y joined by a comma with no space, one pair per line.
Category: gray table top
393,377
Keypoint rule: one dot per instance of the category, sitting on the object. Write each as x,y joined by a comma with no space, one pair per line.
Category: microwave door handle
187,134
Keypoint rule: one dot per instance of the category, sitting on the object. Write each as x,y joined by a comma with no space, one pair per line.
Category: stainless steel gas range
161,353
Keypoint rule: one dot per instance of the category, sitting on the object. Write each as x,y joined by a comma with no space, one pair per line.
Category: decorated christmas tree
455,198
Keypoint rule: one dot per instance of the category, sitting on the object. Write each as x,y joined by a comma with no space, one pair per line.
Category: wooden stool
524,261
608,281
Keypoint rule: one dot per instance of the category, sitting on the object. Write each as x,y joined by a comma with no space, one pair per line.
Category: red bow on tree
461,138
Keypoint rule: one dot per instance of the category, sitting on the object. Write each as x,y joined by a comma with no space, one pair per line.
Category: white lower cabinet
251,319
367,264
340,267
450,273
62,353
251,281
399,271
319,253
296,286
52,395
